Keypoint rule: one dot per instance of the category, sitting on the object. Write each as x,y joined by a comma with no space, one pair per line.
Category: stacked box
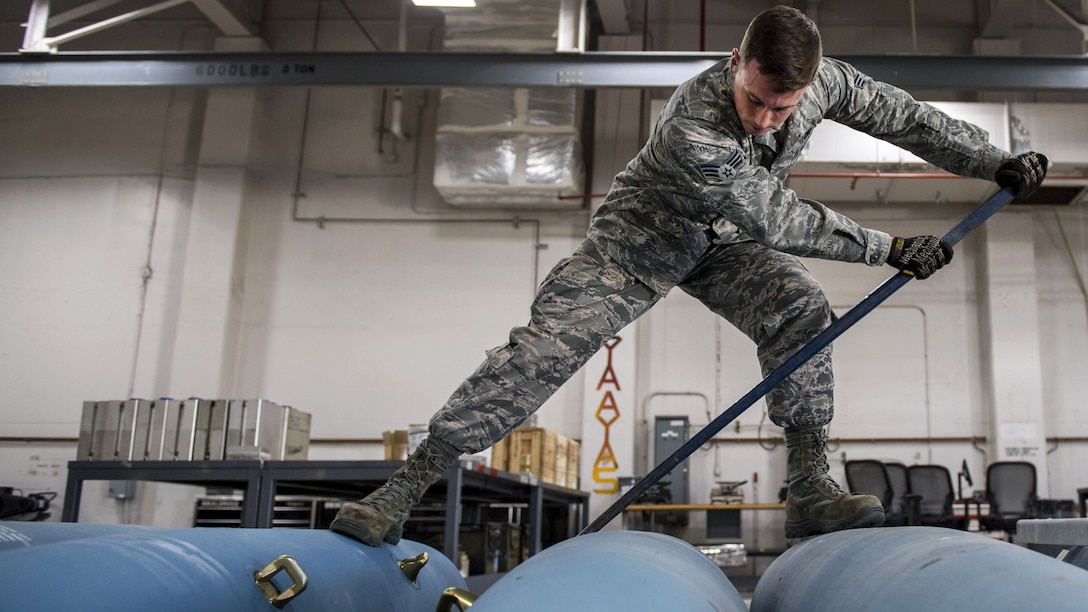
151,426
260,429
532,449
396,444
552,458
94,415
573,448
180,430
500,455
561,445
210,440
132,429
296,434
107,430
191,430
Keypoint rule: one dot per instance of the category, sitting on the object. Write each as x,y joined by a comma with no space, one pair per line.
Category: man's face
759,107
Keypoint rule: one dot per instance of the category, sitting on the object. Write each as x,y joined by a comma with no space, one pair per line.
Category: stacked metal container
192,429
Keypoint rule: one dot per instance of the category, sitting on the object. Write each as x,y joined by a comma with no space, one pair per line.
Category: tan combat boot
380,516
814,502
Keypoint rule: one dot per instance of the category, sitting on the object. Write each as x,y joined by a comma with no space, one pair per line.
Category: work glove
1023,173
920,256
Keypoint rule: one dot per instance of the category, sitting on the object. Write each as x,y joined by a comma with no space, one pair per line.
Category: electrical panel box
670,433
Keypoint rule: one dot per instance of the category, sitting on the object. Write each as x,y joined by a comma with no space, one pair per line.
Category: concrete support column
213,288
1010,337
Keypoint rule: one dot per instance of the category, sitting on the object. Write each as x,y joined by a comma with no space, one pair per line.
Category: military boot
380,516
814,502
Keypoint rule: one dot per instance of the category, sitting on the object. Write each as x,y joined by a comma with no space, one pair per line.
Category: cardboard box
500,455
533,448
396,444
551,458
561,445
573,449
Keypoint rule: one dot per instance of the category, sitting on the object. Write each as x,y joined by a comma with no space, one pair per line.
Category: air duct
508,148
844,165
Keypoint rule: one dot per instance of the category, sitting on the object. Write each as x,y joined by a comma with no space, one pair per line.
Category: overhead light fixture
446,3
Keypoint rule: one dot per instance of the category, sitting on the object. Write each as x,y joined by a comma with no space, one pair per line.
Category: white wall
371,318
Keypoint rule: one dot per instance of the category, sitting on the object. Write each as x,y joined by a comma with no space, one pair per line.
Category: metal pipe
916,568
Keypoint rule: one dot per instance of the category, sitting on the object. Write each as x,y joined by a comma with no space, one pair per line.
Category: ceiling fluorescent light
446,3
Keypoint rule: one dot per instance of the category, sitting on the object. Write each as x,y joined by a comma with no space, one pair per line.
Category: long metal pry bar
967,225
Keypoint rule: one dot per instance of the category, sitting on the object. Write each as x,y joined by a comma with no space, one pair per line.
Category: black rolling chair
868,477
906,505
934,484
1010,488
876,478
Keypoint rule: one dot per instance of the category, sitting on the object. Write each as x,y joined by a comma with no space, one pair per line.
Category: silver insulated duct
508,148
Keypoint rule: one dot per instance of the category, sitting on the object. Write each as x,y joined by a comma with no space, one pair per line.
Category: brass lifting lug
271,592
412,565
454,596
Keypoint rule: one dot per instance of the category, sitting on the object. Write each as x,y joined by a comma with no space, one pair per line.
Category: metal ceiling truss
466,69
39,62
37,40
1077,21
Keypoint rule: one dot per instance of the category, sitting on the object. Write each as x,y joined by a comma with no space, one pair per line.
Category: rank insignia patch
724,170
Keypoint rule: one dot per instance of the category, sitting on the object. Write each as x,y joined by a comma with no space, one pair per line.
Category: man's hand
920,256
1024,173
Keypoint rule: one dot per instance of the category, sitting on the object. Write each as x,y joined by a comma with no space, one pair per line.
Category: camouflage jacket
701,179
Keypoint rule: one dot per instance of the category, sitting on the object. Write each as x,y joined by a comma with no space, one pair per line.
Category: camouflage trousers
587,299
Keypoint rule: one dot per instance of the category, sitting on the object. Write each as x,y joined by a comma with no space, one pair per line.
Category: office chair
874,478
934,484
906,505
1010,488
868,476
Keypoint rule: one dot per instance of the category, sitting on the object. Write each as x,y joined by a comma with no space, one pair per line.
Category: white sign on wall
608,421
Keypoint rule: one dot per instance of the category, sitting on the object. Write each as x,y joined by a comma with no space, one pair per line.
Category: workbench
463,488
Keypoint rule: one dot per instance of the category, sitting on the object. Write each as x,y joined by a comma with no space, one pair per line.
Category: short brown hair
787,46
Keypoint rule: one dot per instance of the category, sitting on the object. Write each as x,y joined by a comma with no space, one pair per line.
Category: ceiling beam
454,69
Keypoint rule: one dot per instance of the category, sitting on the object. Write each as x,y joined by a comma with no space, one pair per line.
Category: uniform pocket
498,356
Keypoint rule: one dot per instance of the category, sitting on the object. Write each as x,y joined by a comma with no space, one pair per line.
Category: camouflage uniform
703,207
